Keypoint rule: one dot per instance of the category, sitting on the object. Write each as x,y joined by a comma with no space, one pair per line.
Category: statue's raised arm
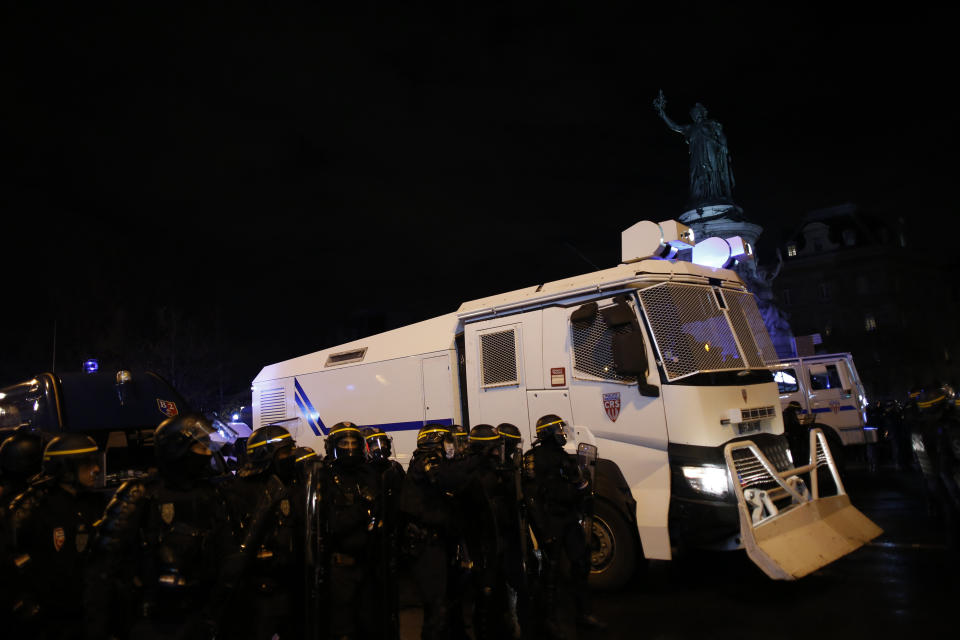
660,104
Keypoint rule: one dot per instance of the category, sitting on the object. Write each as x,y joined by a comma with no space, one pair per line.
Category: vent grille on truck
498,358
592,348
273,406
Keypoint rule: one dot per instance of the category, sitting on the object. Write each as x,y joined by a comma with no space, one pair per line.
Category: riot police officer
926,415
513,528
556,494
429,538
461,440
350,513
266,510
20,458
49,530
390,475
487,509
155,570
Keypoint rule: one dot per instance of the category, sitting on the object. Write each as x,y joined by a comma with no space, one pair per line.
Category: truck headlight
711,480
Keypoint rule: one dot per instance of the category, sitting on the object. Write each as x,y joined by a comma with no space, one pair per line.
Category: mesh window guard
498,358
692,333
592,351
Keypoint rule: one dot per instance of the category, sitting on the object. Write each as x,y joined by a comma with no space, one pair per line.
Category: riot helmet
934,399
72,459
21,455
345,443
550,428
461,439
301,458
264,447
432,436
183,447
379,444
302,454
510,434
485,440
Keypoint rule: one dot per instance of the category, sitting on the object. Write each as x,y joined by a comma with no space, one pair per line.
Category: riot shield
314,551
587,461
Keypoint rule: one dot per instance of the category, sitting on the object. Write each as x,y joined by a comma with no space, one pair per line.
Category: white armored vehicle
662,364
828,386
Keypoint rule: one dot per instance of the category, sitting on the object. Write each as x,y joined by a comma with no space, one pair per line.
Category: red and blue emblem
611,404
167,408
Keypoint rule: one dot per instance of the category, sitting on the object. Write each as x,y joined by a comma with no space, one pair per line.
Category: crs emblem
59,537
167,407
835,406
611,404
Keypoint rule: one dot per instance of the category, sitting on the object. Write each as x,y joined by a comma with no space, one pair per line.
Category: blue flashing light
91,366
235,417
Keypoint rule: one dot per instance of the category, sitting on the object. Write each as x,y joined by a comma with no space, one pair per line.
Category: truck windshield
701,329
25,403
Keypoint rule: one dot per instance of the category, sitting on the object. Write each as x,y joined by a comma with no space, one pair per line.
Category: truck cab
829,388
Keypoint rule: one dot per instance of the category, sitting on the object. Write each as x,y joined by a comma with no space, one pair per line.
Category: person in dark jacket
351,508
556,494
158,566
264,496
429,538
48,533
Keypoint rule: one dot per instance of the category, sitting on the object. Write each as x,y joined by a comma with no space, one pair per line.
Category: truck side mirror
630,358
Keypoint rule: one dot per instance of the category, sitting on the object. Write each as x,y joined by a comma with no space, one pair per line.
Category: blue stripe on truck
829,409
310,415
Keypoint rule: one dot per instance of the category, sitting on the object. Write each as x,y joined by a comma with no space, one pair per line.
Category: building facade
865,284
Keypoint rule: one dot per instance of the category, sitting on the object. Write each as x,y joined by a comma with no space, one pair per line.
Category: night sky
248,186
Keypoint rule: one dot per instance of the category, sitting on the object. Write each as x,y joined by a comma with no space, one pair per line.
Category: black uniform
267,507
49,531
557,496
486,503
270,514
428,540
390,476
349,518
157,569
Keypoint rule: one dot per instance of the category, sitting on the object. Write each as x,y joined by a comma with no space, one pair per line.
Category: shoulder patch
58,538
167,512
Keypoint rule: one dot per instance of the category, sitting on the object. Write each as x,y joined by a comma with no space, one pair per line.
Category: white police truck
828,387
662,364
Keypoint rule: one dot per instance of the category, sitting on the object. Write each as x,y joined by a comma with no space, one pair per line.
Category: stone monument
711,211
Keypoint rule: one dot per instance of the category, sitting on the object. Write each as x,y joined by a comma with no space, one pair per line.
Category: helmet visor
379,445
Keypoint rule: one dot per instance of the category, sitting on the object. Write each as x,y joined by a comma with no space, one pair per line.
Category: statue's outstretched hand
660,102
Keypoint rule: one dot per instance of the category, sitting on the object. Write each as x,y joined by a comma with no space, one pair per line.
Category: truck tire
613,549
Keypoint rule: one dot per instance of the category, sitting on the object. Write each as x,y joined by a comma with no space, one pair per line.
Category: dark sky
282,176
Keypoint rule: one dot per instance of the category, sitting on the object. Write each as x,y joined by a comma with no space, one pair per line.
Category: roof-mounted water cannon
721,253
648,239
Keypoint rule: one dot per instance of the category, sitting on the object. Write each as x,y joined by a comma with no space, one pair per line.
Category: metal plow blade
808,536
788,529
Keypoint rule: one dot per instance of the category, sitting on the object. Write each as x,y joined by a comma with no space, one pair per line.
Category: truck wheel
613,549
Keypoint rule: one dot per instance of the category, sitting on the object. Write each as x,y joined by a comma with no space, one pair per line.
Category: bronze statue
711,179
